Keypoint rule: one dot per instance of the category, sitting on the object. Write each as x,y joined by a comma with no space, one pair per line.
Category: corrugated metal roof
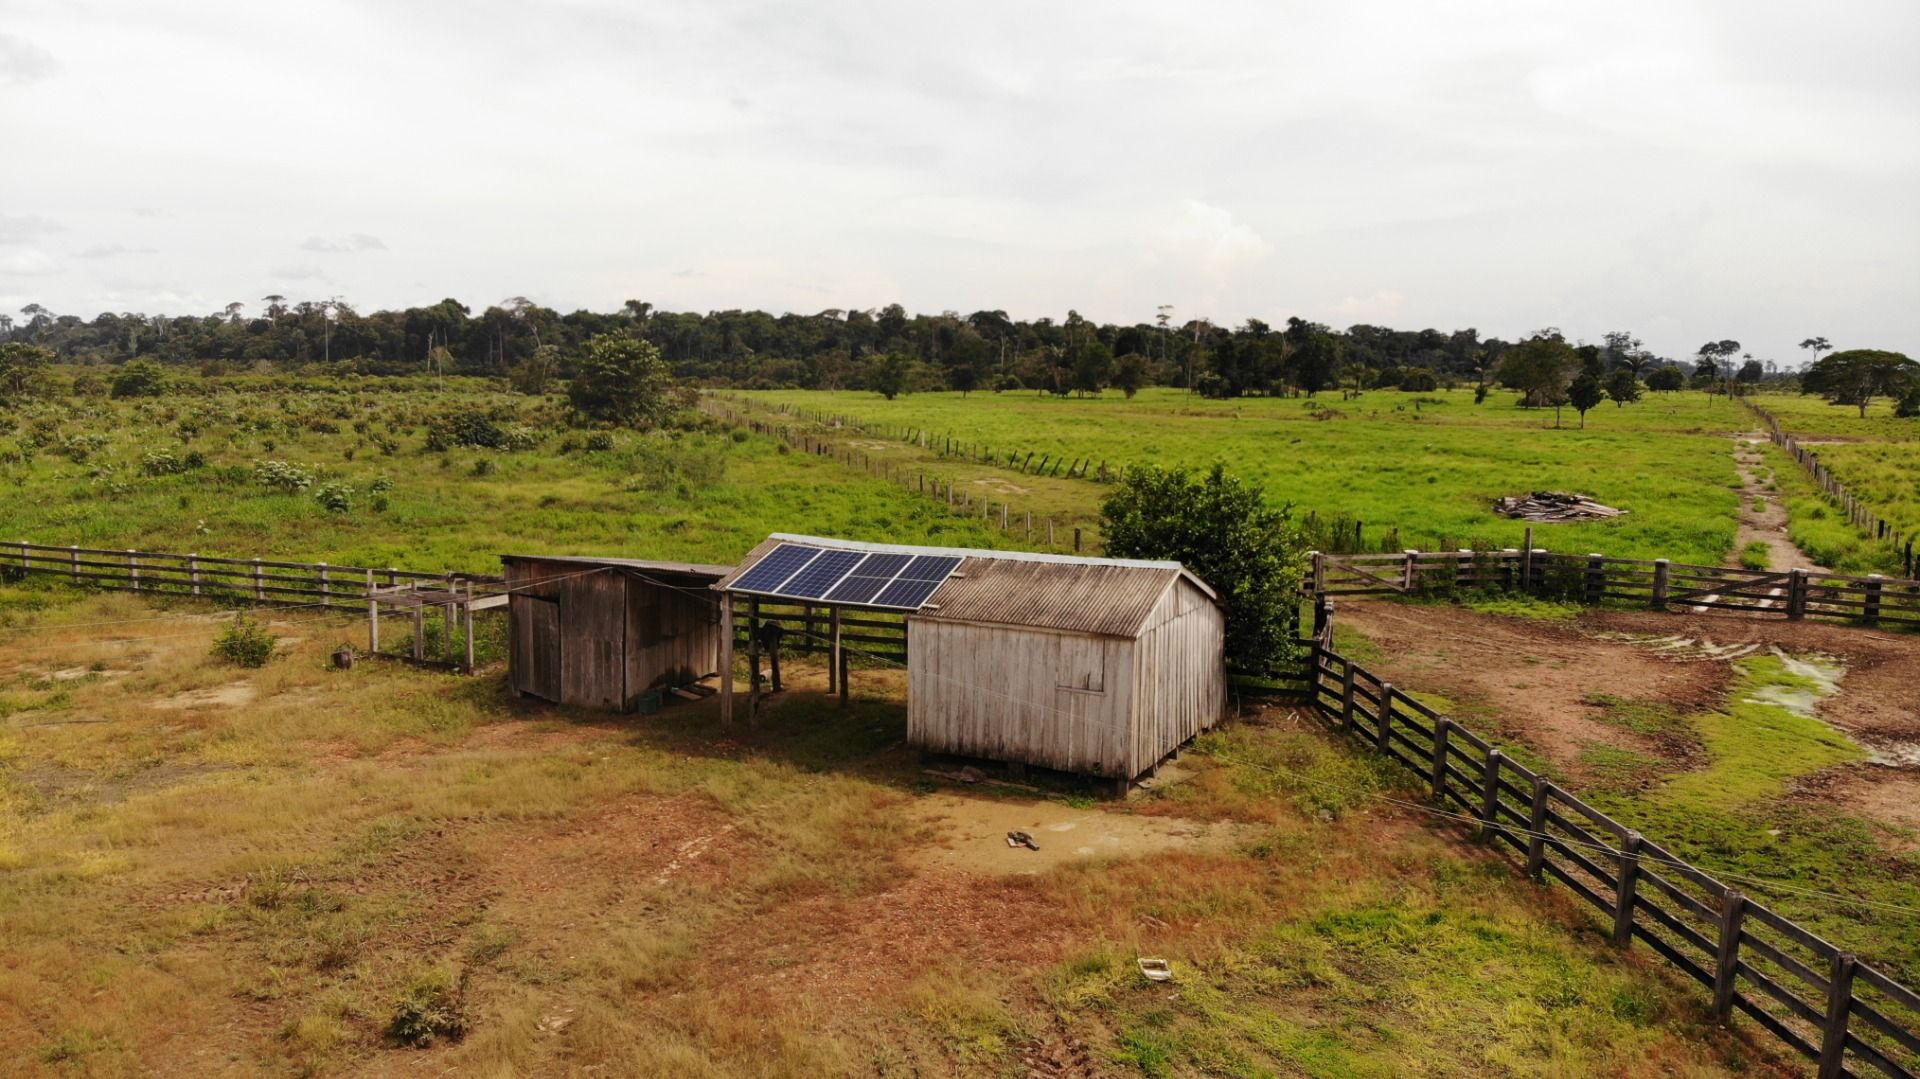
690,569
1071,593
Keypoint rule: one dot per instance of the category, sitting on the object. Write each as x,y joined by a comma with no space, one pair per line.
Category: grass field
1878,457
1427,465
122,474
300,871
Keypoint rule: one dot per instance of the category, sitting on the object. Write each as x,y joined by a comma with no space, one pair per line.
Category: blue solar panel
905,593
883,566
857,590
820,575
775,567
928,567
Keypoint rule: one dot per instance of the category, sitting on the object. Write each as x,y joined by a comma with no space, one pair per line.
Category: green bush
429,1009
335,497
244,643
283,477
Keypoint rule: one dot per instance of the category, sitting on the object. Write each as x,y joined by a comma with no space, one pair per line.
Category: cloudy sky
1689,171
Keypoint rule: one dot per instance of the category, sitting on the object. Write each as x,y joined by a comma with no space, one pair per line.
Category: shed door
540,632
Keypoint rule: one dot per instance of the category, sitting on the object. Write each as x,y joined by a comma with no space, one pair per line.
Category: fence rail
1857,511
1595,579
1821,1001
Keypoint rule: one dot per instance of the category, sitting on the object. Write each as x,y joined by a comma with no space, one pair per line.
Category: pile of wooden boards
1553,506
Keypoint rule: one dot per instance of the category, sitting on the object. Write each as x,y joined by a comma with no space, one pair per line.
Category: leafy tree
1316,356
1418,380
1816,345
1541,368
1858,375
1623,387
1092,367
1667,378
624,381
532,375
141,378
23,370
1225,532
1751,371
1585,392
964,378
888,376
1130,373
1909,406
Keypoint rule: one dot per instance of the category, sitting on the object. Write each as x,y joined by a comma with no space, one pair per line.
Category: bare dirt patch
231,695
971,834
1768,523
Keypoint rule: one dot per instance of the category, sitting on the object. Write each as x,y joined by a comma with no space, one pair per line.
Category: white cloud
358,241
23,62
25,262
15,229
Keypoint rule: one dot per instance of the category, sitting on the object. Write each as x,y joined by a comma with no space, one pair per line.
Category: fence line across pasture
1821,1001
1857,510
1594,579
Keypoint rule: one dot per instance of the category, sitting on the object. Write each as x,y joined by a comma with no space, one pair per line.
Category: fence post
466,619
1537,829
1797,594
1385,729
1661,568
1733,912
1871,615
1490,794
133,569
1076,539
326,594
1466,569
193,571
73,558
1319,572
1596,578
259,588
1346,697
1412,560
1626,890
1440,728
1833,1040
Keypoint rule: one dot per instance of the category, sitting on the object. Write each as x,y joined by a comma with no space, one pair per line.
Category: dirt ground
1532,678
1768,524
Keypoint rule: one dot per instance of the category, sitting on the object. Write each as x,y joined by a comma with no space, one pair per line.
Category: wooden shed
1090,665
609,633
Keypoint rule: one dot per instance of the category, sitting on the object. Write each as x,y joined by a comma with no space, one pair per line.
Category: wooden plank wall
1181,679
672,635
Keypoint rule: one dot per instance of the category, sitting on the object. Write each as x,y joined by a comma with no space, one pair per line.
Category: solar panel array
796,571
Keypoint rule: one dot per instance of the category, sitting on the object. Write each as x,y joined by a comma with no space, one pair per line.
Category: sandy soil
972,834
1768,524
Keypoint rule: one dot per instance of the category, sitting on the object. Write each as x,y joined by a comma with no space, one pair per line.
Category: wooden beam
726,660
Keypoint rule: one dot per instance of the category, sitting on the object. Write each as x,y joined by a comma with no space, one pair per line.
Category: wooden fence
1856,510
451,597
1820,1000
1597,579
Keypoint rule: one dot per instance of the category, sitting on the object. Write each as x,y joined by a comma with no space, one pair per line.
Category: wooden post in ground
833,649
1409,568
1596,578
466,619
1661,572
753,661
259,589
1833,1036
133,569
1385,728
1626,890
1490,794
193,572
419,625
1440,728
1726,968
726,660
1076,540
326,593
1537,829
1797,594
73,560
1871,614
373,624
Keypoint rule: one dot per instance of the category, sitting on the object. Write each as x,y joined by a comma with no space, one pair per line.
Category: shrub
162,463
599,442
282,477
335,497
520,437
466,427
244,643
429,1009
140,378
381,485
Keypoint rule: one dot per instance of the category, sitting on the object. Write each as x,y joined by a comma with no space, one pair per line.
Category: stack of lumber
1553,506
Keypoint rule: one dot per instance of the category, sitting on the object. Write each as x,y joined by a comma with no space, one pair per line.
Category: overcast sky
1689,171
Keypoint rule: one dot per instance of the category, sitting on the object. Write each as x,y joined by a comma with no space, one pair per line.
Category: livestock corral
765,753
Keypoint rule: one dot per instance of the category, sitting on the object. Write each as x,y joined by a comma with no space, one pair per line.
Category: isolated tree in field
1623,387
1541,368
140,378
888,376
1092,367
1666,379
23,372
1751,372
1585,392
964,378
1223,530
1130,373
1816,345
1858,375
624,381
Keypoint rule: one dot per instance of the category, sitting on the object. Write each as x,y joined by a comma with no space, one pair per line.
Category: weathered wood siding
613,638
673,637
1181,680
1055,700
1076,702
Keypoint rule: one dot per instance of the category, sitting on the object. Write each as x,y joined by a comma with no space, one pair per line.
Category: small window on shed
1083,664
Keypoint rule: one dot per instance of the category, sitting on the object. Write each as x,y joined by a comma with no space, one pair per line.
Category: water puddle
1685,649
